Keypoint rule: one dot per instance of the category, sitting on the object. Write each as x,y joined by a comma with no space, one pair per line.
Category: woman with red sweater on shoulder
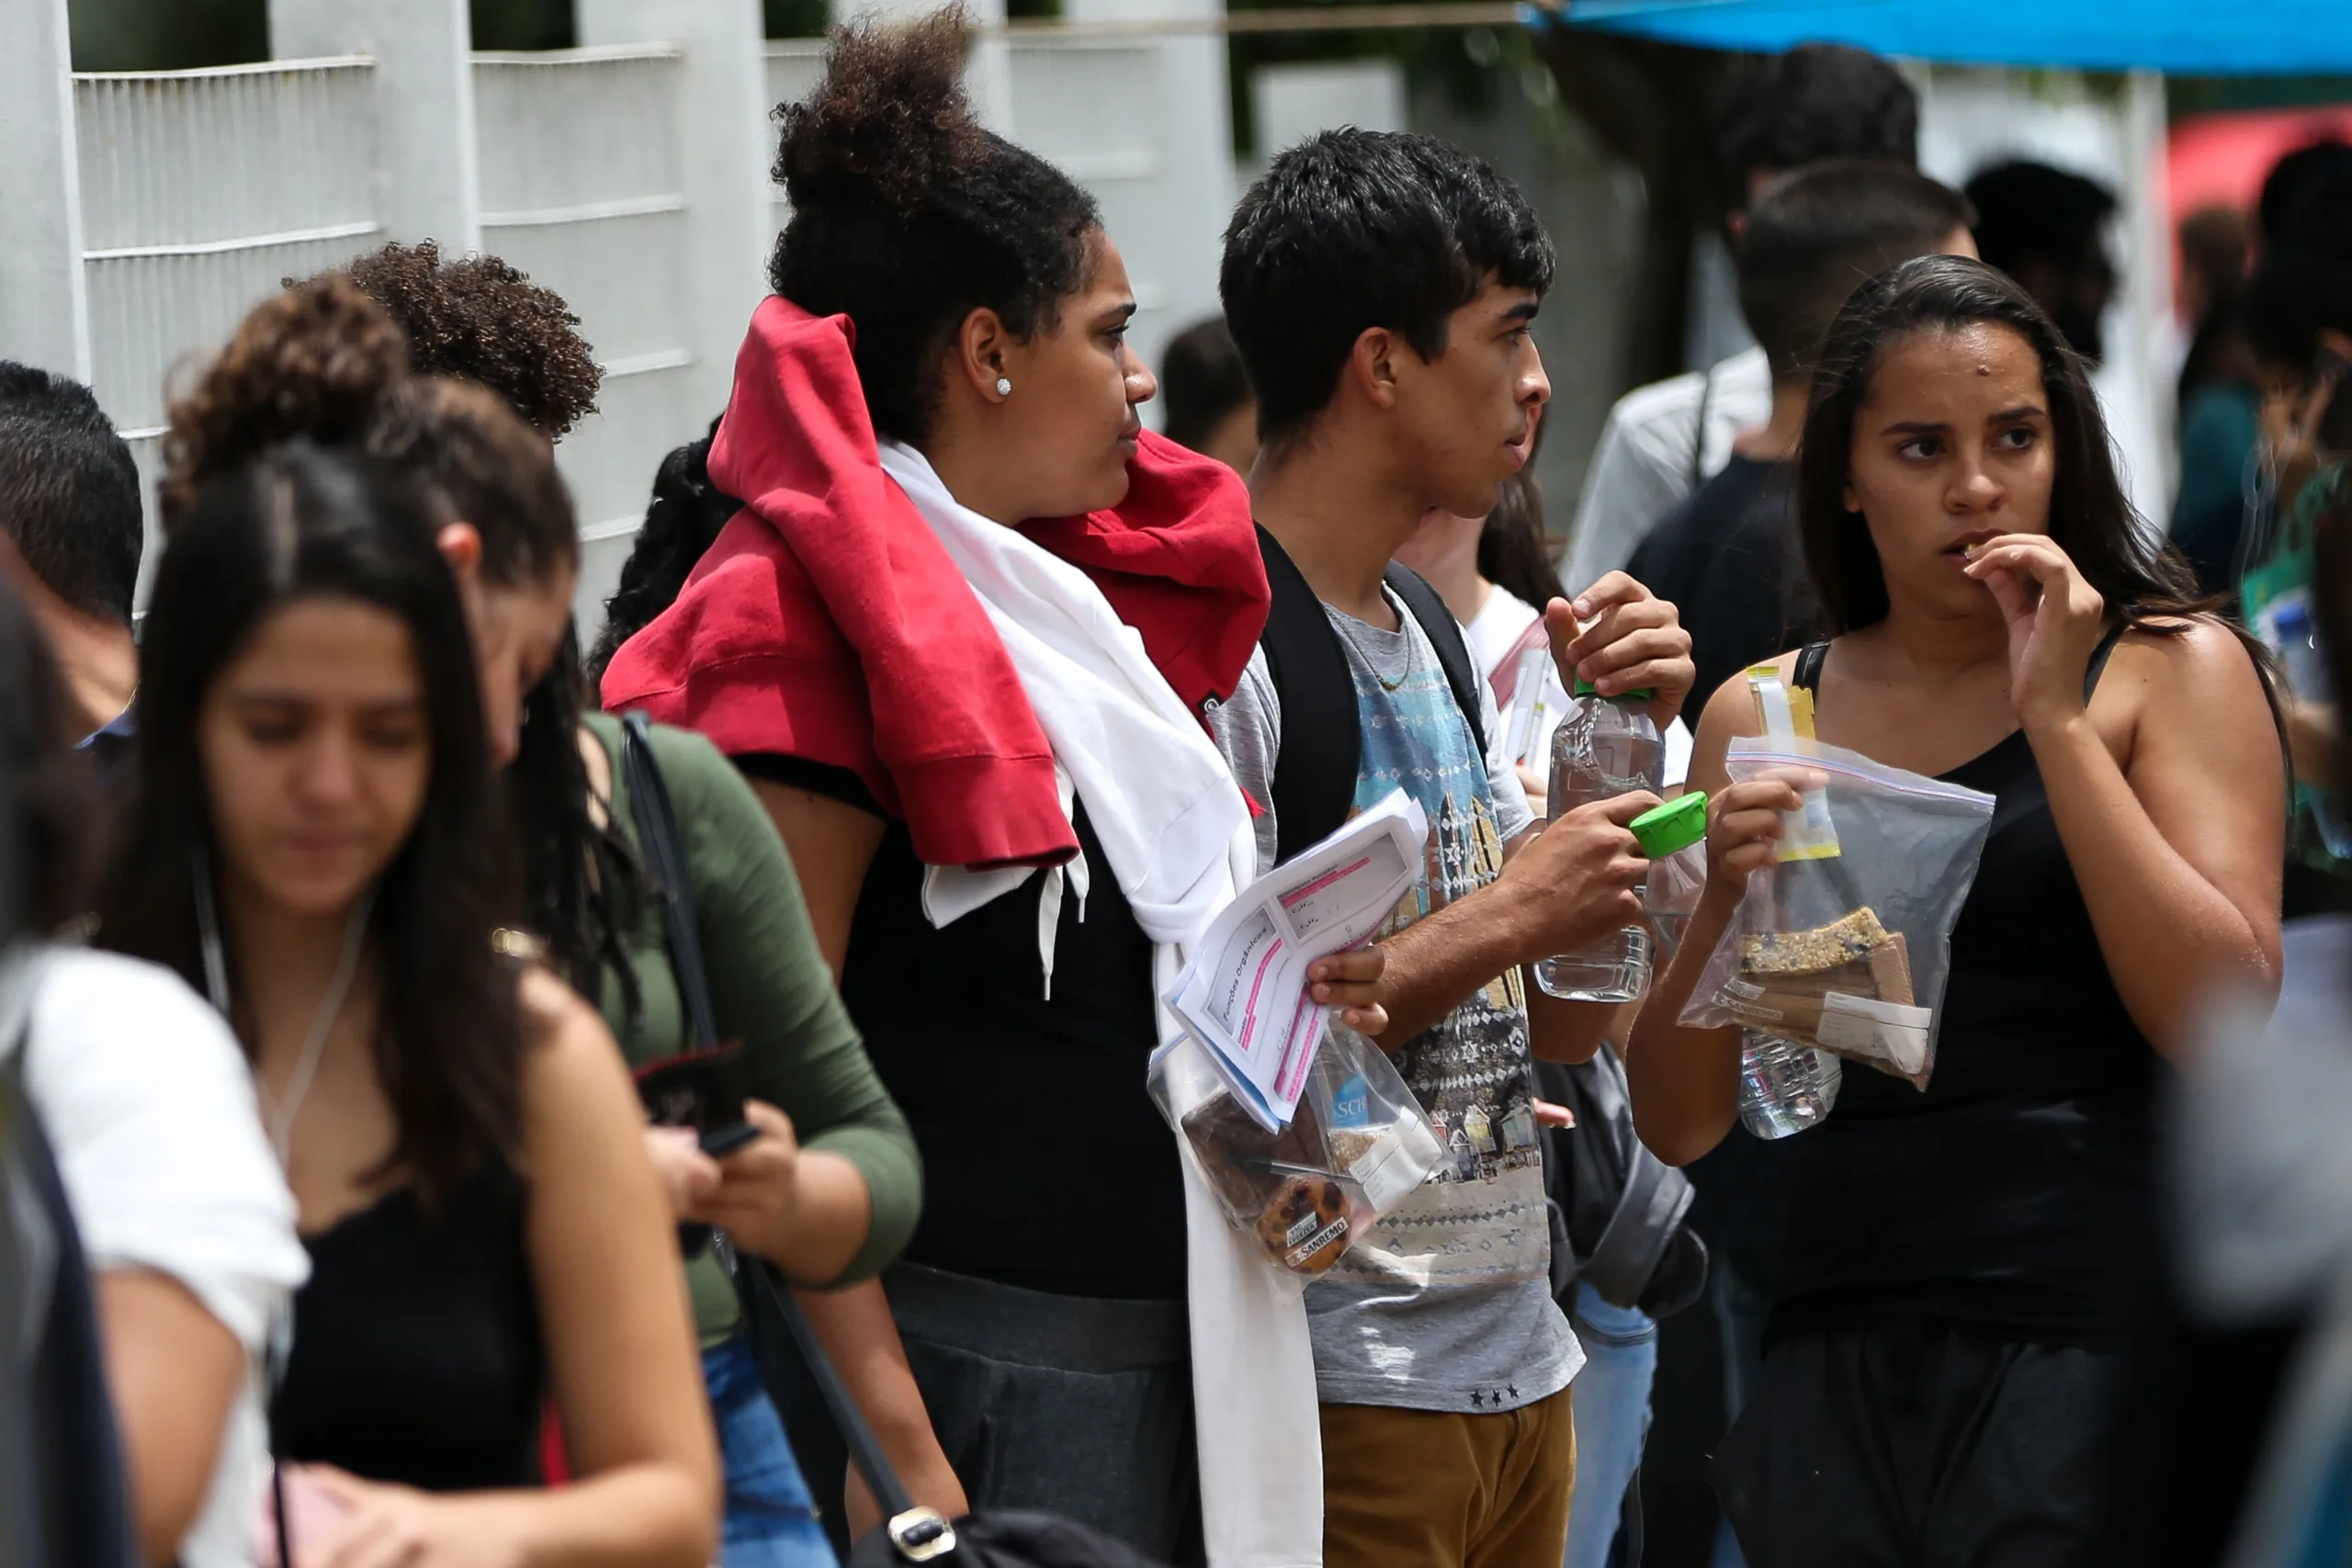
961,636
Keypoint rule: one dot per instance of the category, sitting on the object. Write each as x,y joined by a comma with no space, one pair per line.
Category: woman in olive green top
771,992
830,1189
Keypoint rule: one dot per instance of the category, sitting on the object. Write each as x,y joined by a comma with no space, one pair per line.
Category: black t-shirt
1045,1164
1727,559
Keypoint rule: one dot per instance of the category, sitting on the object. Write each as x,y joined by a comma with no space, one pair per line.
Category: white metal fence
598,171
582,186
200,191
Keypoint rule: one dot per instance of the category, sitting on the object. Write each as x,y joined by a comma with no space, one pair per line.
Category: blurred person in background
318,841
2299,325
829,1189
2235,1443
1963,1264
1662,441
2218,396
71,510
2047,229
182,1212
1728,556
1205,390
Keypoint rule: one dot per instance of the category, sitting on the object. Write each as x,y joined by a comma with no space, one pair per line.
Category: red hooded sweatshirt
827,622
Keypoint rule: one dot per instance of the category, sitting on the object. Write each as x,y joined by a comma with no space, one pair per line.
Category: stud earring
1004,385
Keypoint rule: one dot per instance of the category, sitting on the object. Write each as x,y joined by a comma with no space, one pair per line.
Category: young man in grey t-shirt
1380,287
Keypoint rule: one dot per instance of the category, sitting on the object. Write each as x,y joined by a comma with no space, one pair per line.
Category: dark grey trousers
1063,1404
1920,1448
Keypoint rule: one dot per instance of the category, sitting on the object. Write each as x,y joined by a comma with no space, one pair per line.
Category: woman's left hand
2055,619
382,1526
757,1198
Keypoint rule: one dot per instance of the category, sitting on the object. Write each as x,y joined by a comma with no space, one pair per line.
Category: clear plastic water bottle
1605,747
1785,1088
2307,675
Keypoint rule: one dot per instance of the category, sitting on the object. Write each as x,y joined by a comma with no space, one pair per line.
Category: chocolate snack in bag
1357,1147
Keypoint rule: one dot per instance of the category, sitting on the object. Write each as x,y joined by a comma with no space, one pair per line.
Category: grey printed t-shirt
1446,1304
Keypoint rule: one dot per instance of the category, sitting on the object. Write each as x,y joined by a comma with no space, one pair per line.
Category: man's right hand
1579,877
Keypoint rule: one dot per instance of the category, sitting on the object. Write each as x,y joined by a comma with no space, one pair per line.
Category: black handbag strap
665,856
919,1534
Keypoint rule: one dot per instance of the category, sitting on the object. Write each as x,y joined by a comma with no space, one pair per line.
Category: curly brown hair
479,320
316,360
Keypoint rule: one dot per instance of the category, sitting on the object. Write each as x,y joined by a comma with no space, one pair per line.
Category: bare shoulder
2186,663
573,1063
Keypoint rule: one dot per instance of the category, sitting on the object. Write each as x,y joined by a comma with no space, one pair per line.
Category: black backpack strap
1315,770
1810,659
665,856
1452,648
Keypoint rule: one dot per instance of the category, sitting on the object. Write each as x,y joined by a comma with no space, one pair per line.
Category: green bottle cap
1679,824
1584,688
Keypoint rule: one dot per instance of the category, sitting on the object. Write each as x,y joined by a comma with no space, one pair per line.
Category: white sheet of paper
1243,993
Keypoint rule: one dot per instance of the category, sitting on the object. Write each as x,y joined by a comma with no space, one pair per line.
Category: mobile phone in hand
720,1142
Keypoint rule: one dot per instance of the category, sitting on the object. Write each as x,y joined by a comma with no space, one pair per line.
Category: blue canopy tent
2184,37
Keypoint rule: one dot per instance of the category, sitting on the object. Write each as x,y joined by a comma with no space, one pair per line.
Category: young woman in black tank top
316,845
1942,1354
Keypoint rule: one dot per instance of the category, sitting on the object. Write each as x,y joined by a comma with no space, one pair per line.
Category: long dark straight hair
323,360
297,523
2144,582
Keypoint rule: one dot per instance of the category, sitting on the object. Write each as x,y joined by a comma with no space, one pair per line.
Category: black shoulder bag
912,1533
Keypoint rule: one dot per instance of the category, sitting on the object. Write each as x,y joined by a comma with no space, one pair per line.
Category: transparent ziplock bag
1846,941
1357,1147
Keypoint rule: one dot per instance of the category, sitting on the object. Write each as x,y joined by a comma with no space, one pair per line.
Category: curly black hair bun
890,123
907,215
318,360
478,319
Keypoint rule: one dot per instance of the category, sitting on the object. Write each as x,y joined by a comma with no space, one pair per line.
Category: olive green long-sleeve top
770,990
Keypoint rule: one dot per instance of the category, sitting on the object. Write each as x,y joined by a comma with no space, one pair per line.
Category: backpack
1618,1209
1314,784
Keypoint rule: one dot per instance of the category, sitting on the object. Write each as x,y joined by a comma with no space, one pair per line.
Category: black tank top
417,1356
2015,1195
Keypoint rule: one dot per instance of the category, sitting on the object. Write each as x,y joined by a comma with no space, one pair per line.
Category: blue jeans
1612,1417
770,1520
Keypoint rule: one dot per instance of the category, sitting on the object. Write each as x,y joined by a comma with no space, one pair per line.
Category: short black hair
1202,382
1352,230
2027,211
1817,102
69,491
1820,233
2306,201
908,215
2295,295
